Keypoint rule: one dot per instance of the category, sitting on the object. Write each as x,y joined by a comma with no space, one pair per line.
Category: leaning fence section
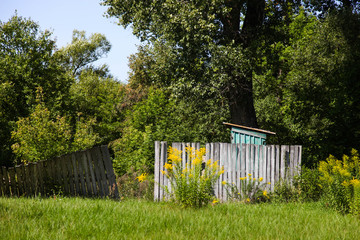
270,162
84,173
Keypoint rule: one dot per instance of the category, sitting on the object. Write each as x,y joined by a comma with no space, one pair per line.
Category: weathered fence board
271,162
84,173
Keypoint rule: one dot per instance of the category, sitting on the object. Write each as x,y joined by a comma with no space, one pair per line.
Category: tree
83,51
26,62
190,31
309,92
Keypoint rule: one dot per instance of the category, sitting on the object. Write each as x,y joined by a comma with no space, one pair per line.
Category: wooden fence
85,173
271,162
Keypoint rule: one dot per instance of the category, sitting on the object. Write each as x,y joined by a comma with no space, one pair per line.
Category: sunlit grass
77,218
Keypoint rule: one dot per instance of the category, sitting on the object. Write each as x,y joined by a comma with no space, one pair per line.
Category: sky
62,17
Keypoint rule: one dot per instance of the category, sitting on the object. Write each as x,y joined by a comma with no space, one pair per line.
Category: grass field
76,218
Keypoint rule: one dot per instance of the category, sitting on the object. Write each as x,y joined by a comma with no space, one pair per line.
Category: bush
136,185
191,186
252,190
305,187
340,180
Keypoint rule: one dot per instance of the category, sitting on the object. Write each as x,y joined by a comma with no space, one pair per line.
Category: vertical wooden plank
12,182
110,171
163,157
92,173
243,162
252,160
100,163
94,158
183,154
86,174
233,162
292,156
238,165
19,180
70,175
213,160
76,173
223,176
256,159
6,179
282,162
268,165
273,167
81,172
157,172
261,161
35,178
41,171
247,159
299,159
296,159
64,175
27,180
277,163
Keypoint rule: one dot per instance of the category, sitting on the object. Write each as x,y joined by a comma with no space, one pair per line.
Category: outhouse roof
249,128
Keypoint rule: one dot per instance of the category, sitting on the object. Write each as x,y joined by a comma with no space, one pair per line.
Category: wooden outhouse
248,135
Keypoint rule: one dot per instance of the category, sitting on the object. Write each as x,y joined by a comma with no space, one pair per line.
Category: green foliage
302,188
252,190
83,51
99,98
133,185
27,62
38,137
160,117
42,136
340,180
308,90
191,186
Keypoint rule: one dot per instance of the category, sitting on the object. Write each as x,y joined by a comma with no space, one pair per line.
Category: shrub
340,180
252,190
192,185
136,185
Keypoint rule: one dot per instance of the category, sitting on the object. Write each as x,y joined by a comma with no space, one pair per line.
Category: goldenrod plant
341,182
192,184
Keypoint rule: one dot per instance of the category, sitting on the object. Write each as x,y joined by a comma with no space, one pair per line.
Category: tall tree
194,30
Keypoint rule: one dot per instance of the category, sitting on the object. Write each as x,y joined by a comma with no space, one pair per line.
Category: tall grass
77,218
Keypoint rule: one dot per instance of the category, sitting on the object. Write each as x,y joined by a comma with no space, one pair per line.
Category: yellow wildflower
269,183
223,182
260,179
163,172
142,177
249,174
215,201
168,166
248,199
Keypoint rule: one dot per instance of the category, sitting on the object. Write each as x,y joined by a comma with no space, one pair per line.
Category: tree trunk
241,105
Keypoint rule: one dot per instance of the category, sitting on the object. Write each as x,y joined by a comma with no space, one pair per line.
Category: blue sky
62,17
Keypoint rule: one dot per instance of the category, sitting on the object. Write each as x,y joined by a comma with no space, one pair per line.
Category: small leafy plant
192,184
252,190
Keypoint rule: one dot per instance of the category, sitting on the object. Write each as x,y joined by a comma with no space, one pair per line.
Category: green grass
76,218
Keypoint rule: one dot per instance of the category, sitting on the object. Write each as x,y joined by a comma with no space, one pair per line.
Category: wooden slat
6,181
273,167
282,162
19,180
12,182
299,160
80,170
99,183
64,176
76,173
157,172
163,149
87,175
292,165
103,180
70,174
233,150
92,173
110,171
41,173
268,165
